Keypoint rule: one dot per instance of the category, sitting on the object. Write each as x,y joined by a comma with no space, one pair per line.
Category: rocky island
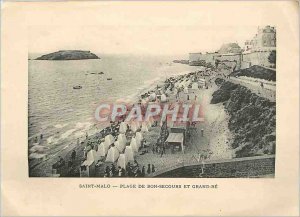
68,55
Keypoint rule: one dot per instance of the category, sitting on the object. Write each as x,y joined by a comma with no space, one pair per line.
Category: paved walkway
268,91
212,145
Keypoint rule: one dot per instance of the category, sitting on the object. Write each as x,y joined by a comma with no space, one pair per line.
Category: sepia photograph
149,108
118,102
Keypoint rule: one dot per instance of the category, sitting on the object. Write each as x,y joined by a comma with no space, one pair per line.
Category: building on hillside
232,57
258,49
230,48
264,39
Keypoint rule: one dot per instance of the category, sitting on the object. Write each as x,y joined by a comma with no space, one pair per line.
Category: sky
158,28
162,40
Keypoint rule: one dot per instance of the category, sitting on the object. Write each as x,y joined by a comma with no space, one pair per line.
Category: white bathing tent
129,153
112,155
139,137
176,139
87,168
102,149
120,146
134,126
168,91
123,127
163,98
144,127
175,91
122,161
144,101
109,139
134,145
122,138
186,90
195,86
152,97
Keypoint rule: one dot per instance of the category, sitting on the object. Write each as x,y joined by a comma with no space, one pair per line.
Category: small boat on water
109,79
77,87
100,73
93,73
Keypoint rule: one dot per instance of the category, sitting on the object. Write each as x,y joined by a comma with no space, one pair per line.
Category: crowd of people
132,170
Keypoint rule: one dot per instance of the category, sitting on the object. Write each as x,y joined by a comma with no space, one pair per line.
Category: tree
272,57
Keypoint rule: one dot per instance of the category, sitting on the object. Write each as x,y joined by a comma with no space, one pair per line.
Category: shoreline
214,144
42,166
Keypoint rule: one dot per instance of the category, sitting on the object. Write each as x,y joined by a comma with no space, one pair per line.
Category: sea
63,114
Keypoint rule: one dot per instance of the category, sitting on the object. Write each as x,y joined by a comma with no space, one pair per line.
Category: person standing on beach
149,169
153,168
73,155
120,171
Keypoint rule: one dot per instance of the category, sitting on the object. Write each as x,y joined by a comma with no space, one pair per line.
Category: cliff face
69,55
252,119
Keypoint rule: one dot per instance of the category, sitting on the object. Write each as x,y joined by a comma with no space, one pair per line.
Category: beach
62,115
213,144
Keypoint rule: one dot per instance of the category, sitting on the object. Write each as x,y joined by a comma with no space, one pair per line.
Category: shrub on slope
256,72
252,120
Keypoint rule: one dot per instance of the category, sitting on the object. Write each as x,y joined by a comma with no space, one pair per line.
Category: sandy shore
214,144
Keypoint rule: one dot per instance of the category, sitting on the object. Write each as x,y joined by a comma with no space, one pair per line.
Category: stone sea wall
259,166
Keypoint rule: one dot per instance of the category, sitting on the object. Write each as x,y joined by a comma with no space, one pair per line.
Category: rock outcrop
68,55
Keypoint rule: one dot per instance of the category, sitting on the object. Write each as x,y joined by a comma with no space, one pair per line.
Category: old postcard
150,108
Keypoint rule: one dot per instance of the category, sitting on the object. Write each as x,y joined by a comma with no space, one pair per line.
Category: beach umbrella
122,161
123,127
112,155
134,145
120,146
129,153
